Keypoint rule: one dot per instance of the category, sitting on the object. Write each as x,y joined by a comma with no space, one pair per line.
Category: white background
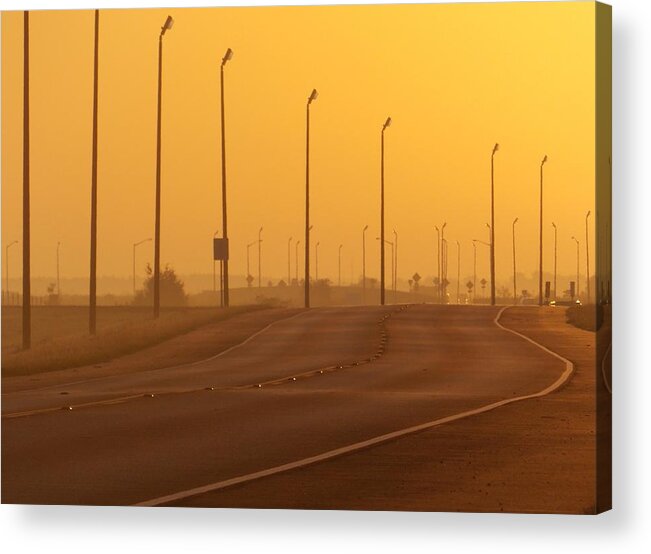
627,528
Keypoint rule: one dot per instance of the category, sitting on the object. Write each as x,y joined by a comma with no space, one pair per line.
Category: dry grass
61,338
588,317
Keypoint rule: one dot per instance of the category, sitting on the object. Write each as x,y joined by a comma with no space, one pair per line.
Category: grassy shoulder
590,317
62,344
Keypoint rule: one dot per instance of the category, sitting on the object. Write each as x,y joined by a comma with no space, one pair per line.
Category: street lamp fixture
492,225
540,259
227,57
313,96
387,123
166,27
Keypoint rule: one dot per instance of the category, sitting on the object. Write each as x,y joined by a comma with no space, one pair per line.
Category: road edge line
564,377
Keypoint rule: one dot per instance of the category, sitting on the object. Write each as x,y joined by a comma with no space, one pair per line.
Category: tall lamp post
169,22
296,258
58,275
289,261
27,292
555,255
339,275
313,96
578,275
7,267
515,279
474,270
135,245
92,293
392,258
260,258
438,262
221,278
387,124
364,264
224,263
458,270
492,226
316,262
248,263
395,265
587,257
540,259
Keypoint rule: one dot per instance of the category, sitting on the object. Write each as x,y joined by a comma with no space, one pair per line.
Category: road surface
308,384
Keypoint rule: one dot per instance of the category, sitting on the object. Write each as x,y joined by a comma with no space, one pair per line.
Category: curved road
330,378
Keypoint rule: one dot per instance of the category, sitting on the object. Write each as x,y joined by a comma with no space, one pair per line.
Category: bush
172,291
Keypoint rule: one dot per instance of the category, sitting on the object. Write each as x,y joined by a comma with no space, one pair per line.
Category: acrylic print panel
341,257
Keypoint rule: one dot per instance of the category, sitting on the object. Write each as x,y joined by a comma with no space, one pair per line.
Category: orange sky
455,79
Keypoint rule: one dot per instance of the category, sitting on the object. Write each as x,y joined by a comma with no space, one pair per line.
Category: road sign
220,249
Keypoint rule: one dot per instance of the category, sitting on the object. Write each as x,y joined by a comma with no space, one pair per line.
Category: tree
172,289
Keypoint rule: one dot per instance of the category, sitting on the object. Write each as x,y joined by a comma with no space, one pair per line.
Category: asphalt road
329,378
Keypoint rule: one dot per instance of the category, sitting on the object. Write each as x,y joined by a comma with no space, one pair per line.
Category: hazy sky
454,78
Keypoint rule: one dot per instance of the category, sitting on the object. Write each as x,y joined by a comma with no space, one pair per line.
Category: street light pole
555,256
587,256
339,278
316,262
248,265
458,270
27,292
395,266
58,276
578,275
313,96
260,258
135,244
224,263
438,261
474,270
364,264
92,294
515,282
296,259
7,266
289,261
540,259
169,22
492,226
387,123
392,256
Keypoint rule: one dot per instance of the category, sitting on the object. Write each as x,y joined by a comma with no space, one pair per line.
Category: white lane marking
222,353
603,369
565,376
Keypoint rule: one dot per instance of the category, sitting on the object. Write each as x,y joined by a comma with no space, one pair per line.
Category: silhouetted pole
339,278
289,261
515,279
364,264
58,276
443,276
587,257
92,294
492,227
260,258
225,286
540,259
555,255
438,262
166,26
474,270
578,275
136,244
458,270
395,265
387,123
27,292
313,96
248,263
7,266
316,262
296,258
392,258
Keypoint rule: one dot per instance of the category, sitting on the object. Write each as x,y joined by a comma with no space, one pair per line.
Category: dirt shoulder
534,456
192,346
